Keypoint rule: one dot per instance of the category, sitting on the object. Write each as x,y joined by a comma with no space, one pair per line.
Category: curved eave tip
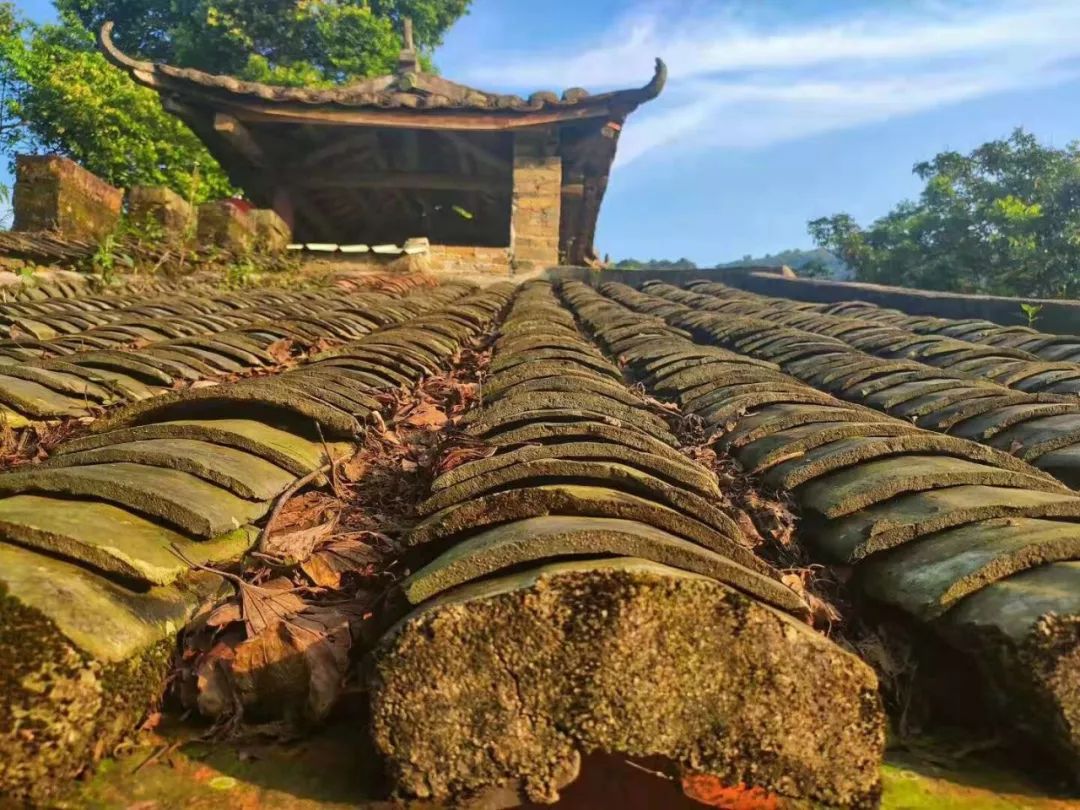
116,56
659,79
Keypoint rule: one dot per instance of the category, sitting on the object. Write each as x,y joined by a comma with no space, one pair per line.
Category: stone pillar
272,233
153,208
226,225
53,193
537,196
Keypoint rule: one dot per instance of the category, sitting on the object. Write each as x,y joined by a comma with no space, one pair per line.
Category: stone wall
53,193
450,260
1062,317
159,208
1057,316
272,233
464,259
537,199
226,226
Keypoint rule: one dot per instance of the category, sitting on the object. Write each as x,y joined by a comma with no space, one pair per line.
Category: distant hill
816,263
654,264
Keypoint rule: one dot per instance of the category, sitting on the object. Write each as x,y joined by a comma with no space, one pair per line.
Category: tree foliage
655,264
816,263
278,41
58,94
1002,220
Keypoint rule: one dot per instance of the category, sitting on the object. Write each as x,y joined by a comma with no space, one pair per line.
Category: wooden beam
354,142
425,181
411,149
478,153
240,137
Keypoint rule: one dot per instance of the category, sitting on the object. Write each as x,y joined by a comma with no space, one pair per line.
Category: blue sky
777,112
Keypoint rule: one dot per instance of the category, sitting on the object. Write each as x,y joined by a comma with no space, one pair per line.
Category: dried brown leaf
298,545
321,345
457,456
296,667
223,614
426,416
355,468
265,607
214,695
793,581
333,561
281,350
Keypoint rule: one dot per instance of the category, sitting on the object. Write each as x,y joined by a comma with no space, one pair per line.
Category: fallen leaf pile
35,442
279,648
768,519
393,283
270,653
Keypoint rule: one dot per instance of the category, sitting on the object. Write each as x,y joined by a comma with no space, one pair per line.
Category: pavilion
410,154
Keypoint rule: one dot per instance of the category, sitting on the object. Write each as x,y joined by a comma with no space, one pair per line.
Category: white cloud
739,79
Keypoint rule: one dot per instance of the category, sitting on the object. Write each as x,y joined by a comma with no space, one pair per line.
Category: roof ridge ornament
408,60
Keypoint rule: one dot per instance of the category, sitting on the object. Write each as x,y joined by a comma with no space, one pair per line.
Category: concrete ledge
1057,316
1060,316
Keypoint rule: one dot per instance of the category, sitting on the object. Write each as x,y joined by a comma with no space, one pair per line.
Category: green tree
1003,219
280,41
655,264
58,94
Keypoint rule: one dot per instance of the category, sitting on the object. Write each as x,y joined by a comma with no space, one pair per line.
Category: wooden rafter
240,138
425,181
481,155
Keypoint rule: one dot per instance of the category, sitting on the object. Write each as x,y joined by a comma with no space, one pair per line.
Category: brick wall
537,197
438,260
223,225
158,208
53,193
463,259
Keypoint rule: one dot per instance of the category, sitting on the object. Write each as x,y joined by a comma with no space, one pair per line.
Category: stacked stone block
537,199
155,209
226,225
53,193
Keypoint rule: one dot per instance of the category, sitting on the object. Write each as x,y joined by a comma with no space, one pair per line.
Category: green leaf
1002,219
62,96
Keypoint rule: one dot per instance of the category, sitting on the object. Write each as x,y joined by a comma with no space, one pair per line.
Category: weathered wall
225,226
460,259
159,208
272,233
482,264
537,200
53,193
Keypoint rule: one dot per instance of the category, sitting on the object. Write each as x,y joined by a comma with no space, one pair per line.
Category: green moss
913,785
63,709
334,769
